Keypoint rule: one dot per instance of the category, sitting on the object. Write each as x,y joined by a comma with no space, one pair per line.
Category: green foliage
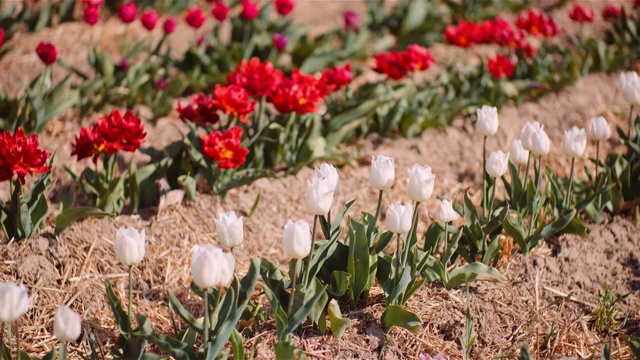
607,312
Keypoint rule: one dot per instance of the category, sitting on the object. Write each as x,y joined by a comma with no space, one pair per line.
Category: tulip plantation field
571,292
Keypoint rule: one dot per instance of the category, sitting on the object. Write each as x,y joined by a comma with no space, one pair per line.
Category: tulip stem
398,255
526,171
379,206
17,340
294,279
10,337
446,241
630,122
414,224
63,350
206,317
130,295
597,160
305,276
493,197
568,199
484,170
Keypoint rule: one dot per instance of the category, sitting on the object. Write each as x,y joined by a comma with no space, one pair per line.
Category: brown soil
72,270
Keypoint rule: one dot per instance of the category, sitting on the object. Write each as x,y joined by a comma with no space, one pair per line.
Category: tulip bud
91,14
630,85
127,12
319,196
250,10
399,218
541,144
487,123
297,239
220,11
350,20
1,36
444,212
382,172
599,129
149,19
230,229
497,163
280,42
130,245
14,301
420,183
169,25
284,7
211,267
526,135
47,52
575,141
195,17
67,324
518,155
329,172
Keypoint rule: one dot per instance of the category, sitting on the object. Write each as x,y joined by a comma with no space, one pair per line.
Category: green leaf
68,216
121,317
237,344
302,313
338,323
339,283
473,272
396,315
634,344
184,313
359,259
286,351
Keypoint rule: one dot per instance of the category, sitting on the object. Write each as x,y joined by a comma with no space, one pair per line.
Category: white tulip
487,123
599,129
297,239
518,154
575,141
541,144
420,183
630,85
526,135
497,164
67,324
328,171
445,213
382,172
130,245
14,301
211,267
399,218
319,196
230,229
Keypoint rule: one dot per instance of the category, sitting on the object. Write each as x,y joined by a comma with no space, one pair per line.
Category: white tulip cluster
630,86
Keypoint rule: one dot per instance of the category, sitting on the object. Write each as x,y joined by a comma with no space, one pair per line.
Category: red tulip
258,78
169,25
284,7
581,13
350,20
149,19
109,135
195,17
500,66
280,42
91,14
250,10
47,52
220,11
611,12
201,109
336,78
300,94
128,12
20,155
234,101
225,148
537,23
1,36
